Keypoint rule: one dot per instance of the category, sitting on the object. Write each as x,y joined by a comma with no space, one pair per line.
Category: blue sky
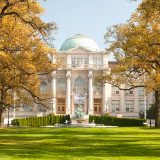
89,17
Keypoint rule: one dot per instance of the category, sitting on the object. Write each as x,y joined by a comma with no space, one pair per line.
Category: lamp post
8,117
107,106
52,105
145,106
14,105
145,103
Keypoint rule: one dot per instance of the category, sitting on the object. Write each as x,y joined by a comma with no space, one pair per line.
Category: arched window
43,86
79,86
61,81
61,85
79,82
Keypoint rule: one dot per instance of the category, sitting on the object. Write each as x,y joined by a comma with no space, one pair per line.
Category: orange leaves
136,46
23,52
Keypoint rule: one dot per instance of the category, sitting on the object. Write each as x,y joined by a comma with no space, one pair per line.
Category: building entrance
79,103
97,105
61,109
79,106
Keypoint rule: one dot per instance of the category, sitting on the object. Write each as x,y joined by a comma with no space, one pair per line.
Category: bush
40,121
114,121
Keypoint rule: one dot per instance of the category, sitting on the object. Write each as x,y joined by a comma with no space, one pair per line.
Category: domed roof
79,40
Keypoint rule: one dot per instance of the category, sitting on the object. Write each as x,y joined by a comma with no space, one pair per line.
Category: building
73,84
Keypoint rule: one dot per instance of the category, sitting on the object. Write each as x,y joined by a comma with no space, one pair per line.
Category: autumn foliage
136,47
23,51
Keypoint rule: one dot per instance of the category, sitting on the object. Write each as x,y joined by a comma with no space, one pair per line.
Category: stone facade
72,85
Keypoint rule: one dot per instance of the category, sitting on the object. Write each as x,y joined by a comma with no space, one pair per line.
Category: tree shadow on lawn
82,131
76,143
81,150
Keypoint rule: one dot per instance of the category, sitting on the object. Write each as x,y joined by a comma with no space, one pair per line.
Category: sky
88,17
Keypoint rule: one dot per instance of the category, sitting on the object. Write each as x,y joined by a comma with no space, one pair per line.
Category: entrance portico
82,60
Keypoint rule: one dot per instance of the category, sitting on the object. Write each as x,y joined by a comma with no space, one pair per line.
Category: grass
80,144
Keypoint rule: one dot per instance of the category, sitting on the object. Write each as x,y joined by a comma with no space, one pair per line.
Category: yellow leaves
23,54
136,46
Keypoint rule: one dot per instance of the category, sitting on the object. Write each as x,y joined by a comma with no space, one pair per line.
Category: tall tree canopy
136,47
23,51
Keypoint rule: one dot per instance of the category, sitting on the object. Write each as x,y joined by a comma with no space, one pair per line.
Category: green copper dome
79,40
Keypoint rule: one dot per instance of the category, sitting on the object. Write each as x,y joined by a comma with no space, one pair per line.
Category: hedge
114,121
41,121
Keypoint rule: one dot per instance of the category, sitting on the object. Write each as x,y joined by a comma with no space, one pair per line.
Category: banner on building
78,99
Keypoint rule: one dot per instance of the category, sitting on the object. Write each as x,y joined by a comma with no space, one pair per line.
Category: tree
23,52
151,112
136,47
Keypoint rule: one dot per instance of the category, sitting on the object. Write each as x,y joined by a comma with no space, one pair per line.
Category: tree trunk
1,112
157,108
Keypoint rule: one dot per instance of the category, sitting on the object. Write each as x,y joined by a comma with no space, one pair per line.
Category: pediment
79,50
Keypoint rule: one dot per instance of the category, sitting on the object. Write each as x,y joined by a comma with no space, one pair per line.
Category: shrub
114,121
40,121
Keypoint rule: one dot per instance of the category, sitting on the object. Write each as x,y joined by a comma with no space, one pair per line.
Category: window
141,91
79,82
73,62
61,106
129,92
141,106
127,109
79,62
97,100
85,61
61,81
97,105
41,108
97,62
129,106
79,86
115,106
43,86
115,90
95,108
61,85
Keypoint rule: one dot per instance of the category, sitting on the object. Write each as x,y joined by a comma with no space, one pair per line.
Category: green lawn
80,144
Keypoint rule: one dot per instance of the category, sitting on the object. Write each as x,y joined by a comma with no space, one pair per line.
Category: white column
122,100
145,105
68,61
90,109
54,92
105,102
68,93
53,83
136,101
106,92
105,61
